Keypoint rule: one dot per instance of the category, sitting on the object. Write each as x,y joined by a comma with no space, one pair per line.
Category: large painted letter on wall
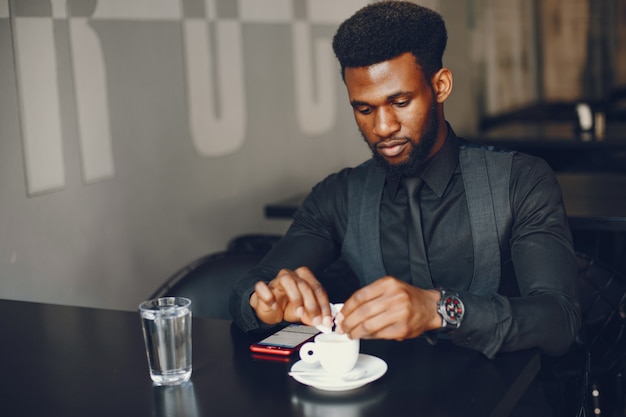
38,94
92,102
216,102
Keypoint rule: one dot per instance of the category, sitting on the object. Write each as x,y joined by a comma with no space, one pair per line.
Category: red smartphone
285,341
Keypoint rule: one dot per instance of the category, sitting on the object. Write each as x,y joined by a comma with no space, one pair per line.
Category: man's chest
446,231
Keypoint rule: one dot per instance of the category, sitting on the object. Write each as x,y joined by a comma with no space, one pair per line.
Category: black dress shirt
536,305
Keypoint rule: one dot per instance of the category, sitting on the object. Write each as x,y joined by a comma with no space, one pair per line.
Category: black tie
420,272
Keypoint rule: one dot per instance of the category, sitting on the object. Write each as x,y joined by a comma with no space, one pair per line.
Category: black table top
73,361
561,146
594,201
552,134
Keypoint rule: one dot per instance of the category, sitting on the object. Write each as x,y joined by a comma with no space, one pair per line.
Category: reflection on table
73,361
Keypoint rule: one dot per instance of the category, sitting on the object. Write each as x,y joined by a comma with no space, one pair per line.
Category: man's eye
363,110
403,103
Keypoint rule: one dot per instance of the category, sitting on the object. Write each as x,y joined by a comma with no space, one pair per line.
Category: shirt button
467,341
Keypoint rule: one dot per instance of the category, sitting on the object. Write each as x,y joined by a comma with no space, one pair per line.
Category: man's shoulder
336,186
329,197
466,145
499,150
519,161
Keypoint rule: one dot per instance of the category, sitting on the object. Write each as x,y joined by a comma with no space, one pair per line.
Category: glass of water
166,326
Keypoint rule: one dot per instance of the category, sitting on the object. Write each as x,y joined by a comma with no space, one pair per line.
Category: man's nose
386,123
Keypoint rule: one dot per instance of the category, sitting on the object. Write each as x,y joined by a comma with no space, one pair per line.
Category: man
493,264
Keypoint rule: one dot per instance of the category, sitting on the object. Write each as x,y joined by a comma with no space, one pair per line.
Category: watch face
453,308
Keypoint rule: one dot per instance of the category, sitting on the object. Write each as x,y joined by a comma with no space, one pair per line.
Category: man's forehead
390,76
405,60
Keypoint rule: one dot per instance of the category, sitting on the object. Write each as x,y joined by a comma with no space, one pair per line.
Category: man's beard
418,154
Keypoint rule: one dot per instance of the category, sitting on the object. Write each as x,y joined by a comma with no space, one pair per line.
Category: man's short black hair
382,31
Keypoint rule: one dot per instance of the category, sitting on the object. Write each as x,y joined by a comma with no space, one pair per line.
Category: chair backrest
208,282
602,291
253,243
338,279
602,294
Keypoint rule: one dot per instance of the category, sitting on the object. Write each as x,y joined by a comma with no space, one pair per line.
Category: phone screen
286,340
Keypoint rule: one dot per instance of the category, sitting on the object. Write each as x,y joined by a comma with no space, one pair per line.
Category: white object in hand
334,309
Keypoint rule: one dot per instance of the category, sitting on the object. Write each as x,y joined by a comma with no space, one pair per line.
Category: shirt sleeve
546,313
312,240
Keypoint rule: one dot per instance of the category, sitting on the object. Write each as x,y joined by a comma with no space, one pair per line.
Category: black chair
253,243
338,279
589,378
208,282
603,305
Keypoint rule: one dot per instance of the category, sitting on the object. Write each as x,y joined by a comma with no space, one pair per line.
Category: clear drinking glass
166,326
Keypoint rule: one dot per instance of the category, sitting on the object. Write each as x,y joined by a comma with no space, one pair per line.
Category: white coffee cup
336,353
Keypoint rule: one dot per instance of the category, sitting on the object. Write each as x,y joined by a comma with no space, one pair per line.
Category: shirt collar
438,170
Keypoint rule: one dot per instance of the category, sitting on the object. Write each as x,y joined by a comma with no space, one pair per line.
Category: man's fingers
364,295
372,311
291,299
311,311
365,320
264,304
264,295
316,304
382,324
295,296
287,283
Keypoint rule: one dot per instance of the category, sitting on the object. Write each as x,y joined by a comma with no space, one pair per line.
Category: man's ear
442,84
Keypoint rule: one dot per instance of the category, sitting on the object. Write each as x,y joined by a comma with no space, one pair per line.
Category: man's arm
294,251
546,314
311,242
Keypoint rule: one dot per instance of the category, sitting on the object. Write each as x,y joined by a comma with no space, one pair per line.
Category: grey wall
107,186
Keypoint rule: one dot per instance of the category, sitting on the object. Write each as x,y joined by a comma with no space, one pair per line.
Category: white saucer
374,367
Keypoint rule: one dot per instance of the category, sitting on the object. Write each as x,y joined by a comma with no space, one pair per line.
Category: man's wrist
435,321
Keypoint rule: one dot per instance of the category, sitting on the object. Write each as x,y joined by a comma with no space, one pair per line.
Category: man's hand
292,296
389,309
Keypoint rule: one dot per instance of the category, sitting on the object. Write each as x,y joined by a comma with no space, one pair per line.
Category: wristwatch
451,309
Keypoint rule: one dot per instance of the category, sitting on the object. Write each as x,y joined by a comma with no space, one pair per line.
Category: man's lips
392,148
